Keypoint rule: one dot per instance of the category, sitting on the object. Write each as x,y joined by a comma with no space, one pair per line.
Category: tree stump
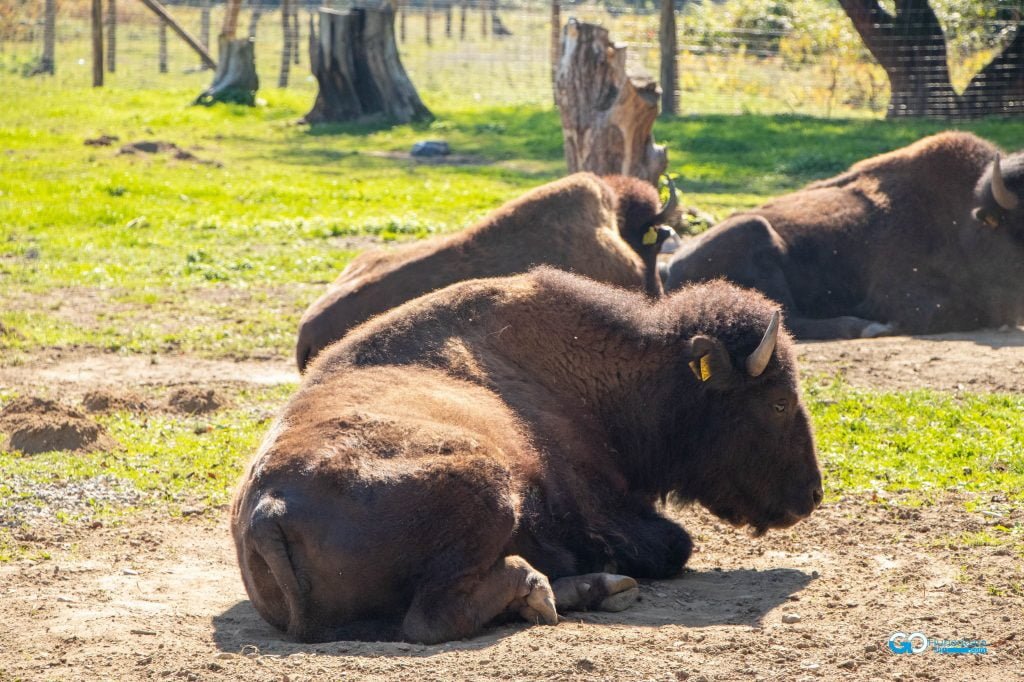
355,61
235,79
607,114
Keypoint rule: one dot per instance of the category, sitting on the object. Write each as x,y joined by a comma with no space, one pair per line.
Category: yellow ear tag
650,237
701,368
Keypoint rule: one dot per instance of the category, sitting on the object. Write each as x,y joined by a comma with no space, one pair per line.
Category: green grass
101,252
919,442
163,251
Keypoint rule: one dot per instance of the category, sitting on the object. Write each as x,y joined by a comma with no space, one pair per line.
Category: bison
924,239
498,448
609,230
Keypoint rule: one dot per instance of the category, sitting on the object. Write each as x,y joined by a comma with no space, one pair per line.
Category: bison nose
817,494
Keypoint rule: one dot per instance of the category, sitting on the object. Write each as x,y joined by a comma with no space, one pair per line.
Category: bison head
999,196
754,462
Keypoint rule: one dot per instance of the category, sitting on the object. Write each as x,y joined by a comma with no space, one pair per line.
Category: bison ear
709,361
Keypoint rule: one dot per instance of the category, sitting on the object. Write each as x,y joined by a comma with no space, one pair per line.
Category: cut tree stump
235,79
607,114
355,61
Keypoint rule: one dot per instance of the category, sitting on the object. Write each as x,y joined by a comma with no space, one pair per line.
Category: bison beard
925,239
498,449
608,228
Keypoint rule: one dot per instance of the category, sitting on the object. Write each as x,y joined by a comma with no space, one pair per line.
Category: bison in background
924,239
610,230
498,447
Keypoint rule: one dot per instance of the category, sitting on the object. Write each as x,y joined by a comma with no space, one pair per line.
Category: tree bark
607,114
999,87
235,79
356,63
669,69
911,47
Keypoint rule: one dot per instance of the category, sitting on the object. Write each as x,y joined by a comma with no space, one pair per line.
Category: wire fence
734,56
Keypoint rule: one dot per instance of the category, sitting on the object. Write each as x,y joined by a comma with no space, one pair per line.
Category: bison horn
1004,197
758,360
670,206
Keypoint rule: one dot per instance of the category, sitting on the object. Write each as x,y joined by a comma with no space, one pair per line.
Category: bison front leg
595,591
443,611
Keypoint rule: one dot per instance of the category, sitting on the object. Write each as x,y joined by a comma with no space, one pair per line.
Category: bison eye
780,406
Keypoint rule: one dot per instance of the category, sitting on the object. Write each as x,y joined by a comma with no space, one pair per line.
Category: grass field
101,252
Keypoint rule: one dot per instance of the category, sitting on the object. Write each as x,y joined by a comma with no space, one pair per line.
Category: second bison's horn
758,360
1003,196
670,206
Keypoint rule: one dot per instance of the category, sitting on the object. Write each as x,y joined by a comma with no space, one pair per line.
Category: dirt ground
160,598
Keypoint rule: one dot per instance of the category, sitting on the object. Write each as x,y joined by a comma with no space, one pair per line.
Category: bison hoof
600,591
876,329
540,602
620,601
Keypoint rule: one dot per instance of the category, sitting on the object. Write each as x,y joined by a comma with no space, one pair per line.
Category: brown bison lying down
498,448
608,229
925,239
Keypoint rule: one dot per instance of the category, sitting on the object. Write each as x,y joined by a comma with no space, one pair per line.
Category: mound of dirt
40,425
194,400
102,400
102,141
159,147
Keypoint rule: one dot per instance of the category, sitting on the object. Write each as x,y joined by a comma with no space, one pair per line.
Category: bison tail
278,591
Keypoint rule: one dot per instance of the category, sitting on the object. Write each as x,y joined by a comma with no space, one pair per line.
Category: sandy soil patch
162,599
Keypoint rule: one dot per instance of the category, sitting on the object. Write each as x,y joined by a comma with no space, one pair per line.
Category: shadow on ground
696,599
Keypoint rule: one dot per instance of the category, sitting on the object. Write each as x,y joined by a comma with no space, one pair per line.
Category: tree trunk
111,36
607,115
48,62
235,79
448,20
286,43
356,63
462,21
230,27
669,64
999,87
911,47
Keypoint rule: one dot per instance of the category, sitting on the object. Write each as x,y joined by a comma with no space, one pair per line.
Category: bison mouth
759,524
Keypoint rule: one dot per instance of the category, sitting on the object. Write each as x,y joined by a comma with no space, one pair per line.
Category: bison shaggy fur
499,448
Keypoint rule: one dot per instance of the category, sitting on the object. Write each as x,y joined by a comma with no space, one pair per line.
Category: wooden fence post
669,68
556,42
97,43
48,62
162,40
286,45
111,35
